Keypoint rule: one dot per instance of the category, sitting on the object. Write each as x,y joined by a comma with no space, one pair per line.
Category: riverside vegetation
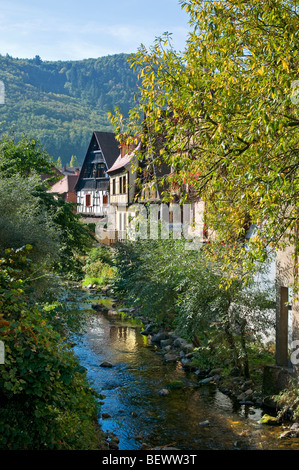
218,333
227,109
46,400
230,136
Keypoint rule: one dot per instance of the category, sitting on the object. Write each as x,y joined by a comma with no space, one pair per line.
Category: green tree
24,157
33,215
58,163
179,288
22,221
74,161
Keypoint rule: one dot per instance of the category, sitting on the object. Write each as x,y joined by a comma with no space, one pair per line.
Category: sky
75,30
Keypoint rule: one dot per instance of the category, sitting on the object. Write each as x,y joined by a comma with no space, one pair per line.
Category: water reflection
124,334
194,417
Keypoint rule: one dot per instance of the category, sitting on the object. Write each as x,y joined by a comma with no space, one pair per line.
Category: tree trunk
231,343
245,361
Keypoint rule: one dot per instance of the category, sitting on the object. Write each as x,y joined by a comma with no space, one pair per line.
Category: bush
46,400
288,401
179,288
98,267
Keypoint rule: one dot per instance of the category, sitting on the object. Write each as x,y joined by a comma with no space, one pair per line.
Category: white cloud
52,33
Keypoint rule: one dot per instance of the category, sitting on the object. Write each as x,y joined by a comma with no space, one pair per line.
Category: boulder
156,338
205,423
165,342
106,364
207,380
295,429
147,331
112,312
267,419
163,392
171,357
179,343
216,371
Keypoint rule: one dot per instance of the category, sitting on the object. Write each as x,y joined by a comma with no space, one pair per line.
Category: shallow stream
194,417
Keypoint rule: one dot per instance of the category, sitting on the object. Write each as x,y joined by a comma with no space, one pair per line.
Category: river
194,417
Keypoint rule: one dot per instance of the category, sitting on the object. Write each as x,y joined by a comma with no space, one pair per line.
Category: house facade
92,186
123,189
136,196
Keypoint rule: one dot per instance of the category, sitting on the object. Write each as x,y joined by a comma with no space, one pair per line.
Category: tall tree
58,163
32,215
230,119
74,161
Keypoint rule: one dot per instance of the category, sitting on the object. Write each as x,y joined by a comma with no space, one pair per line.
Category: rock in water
106,364
267,419
163,392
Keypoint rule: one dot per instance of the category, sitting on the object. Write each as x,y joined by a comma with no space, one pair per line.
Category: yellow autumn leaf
285,64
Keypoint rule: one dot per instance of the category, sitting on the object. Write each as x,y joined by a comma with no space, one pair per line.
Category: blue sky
74,30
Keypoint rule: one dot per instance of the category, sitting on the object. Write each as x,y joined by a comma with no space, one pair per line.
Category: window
122,184
113,186
100,171
87,200
87,171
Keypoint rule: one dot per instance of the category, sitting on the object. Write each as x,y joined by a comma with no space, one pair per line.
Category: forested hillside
62,103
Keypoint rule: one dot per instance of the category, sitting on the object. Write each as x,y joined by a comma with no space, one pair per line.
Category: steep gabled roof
106,143
109,145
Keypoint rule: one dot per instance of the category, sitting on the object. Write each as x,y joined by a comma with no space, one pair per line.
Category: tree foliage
181,289
46,401
61,103
230,120
32,215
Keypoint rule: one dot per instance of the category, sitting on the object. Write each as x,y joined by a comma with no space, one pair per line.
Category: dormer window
100,170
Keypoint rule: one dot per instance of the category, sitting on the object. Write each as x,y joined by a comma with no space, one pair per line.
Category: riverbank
175,349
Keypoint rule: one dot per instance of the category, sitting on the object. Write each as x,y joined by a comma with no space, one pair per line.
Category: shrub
46,400
98,266
179,288
288,401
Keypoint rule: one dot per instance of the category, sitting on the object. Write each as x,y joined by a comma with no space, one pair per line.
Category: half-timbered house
92,186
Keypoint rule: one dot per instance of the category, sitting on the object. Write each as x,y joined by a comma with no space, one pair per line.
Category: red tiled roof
121,162
65,185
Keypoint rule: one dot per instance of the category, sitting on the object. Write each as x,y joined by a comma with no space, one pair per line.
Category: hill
61,103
